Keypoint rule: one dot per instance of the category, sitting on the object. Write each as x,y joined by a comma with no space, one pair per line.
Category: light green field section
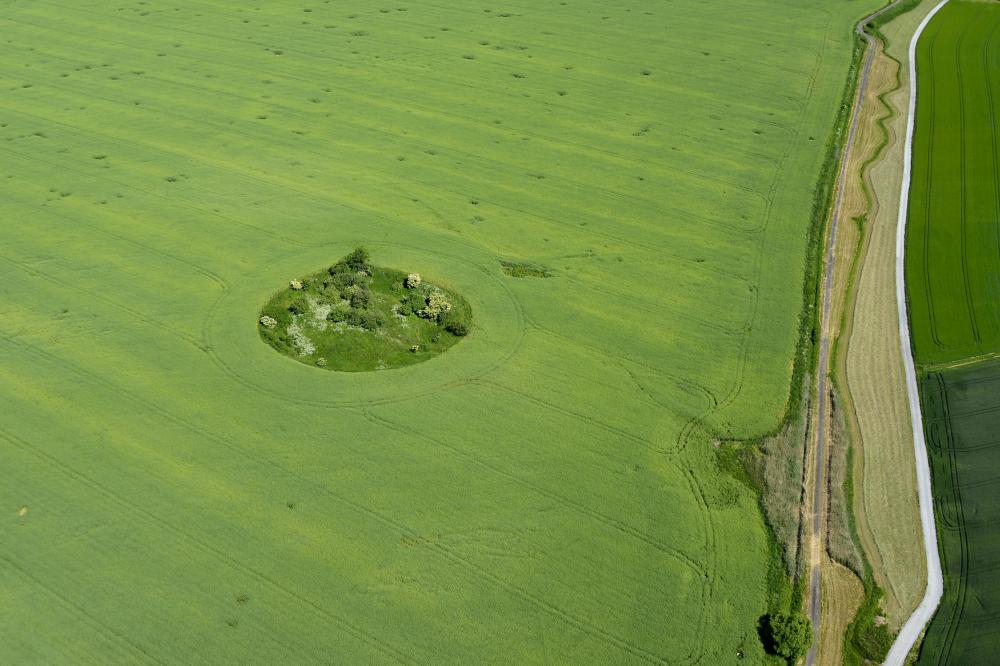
953,237
173,490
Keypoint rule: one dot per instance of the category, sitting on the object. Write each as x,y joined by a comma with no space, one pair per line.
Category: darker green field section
953,252
961,412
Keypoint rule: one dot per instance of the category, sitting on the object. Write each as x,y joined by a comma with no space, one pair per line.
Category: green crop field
546,491
961,411
953,281
953,239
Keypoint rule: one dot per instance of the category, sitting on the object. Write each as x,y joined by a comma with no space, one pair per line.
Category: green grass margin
741,459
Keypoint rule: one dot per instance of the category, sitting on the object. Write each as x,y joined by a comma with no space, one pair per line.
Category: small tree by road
788,635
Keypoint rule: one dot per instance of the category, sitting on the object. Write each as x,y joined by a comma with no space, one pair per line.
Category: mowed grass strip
546,491
885,499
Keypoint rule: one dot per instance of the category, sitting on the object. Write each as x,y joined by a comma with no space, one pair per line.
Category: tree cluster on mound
354,295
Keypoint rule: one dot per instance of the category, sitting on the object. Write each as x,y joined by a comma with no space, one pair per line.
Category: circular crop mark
356,317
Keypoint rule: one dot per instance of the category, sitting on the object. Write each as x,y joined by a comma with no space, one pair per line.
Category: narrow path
914,626
823,364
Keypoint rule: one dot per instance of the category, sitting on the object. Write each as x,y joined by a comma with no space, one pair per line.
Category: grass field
960,412
954,220
547,490
953,273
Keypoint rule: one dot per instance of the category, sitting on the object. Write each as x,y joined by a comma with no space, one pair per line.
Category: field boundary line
915,624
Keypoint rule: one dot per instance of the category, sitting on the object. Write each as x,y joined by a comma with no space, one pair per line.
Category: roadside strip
914,626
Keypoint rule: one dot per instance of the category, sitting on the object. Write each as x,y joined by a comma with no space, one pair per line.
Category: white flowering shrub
412,281
268,322
295,285
437,305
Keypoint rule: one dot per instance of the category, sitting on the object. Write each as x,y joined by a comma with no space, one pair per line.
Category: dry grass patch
841,595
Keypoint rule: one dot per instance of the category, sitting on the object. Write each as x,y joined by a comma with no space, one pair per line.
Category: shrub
268,322
295,285
342,280
457,327
413,303
354,317
412,281
361,297
357,259
279,314
867,634
370,321
437,305
789,635
337,315
340,267
299,306
874,641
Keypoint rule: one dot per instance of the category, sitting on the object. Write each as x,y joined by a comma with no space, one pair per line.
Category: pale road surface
914,626
823,363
